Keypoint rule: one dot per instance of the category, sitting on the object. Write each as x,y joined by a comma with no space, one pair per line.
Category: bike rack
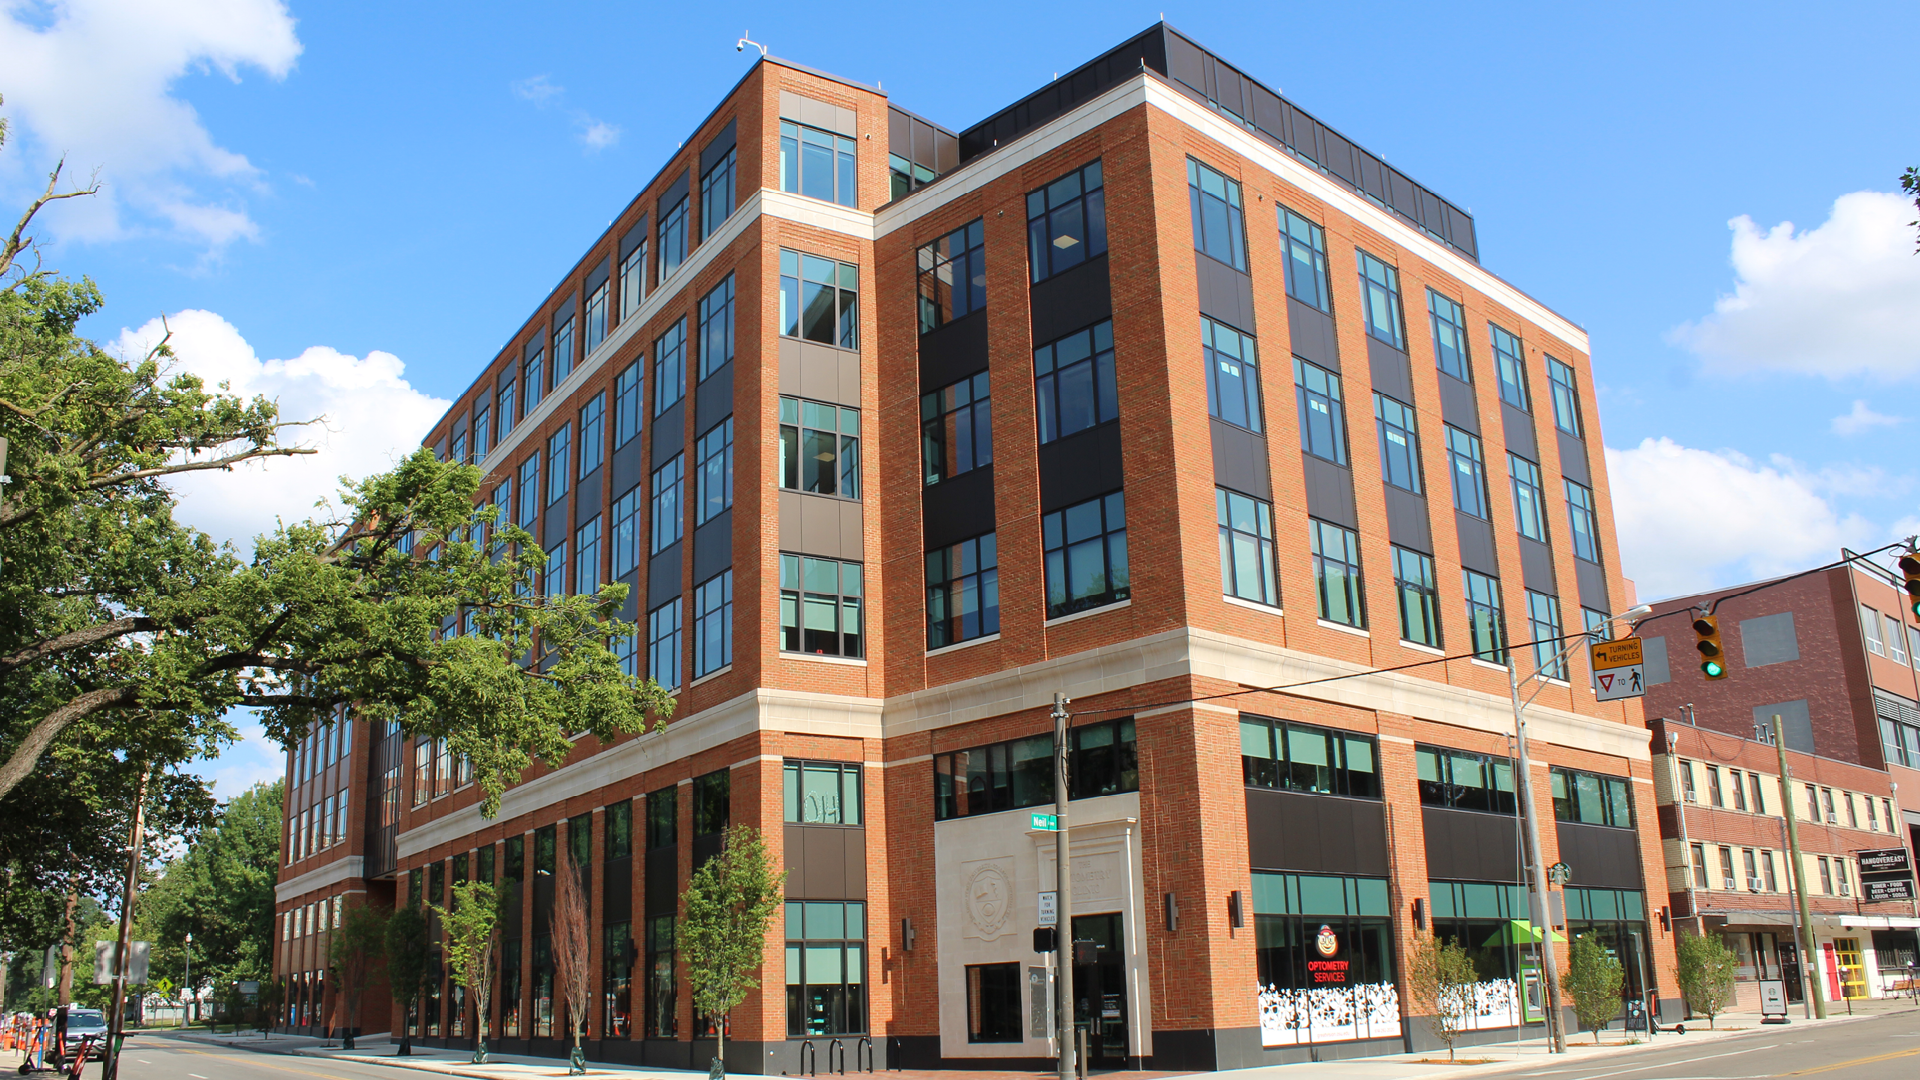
865,1044
895,1051
809,1054
842,1047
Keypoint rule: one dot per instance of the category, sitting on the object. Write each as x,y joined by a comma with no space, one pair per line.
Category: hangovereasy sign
1885,874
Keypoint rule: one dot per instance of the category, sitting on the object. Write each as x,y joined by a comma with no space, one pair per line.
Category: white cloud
535,88
1840,299
93,81
1863,419
595,134
598,134
373,418
1691,520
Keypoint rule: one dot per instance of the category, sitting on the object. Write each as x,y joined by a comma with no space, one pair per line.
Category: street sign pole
1807,965
1549,964
123,949
1063,936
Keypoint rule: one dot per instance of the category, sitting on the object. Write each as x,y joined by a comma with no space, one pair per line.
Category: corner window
1336,573
716,328
1419,600
956,428
1511,365
1459,780
713,624
953,275
663,652
826,968
673,238
1543,626
670,367
563,350
818,164
1219,230
1066,222
822,793
1486,624
667,482
1233,374
1323,417
1305,245
559,457
586,558
1298,757
1529,499
633,280
1399,443
1592,799
716,194
819,448
1469,472
995,1003
1566,397
596,327
1086,553
1246,547
906,176
1380,301
1583,521
1102,759
1449,336
713,466
593,434
1074,382
626,405
819,300
820,606
963,591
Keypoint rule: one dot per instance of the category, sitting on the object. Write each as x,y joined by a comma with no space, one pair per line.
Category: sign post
1617,669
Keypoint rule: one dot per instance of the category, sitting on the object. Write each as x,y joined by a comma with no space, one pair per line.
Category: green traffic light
1713,669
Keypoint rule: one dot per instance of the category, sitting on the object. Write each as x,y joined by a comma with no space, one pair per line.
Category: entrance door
1789,955
1850,974
1100,990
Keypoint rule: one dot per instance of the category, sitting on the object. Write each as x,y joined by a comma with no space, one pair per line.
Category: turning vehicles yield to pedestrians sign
1616,669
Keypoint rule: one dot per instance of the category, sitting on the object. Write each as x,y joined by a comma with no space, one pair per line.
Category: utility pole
1799,881
1063,882
122,961
1530,824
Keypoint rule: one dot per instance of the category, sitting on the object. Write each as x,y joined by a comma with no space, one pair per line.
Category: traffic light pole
1063,903
1530,823
122,960
1808,966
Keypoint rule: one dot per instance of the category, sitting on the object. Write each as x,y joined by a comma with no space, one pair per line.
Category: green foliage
408,962
1910,183
1593,980
1705,968
354,948
470,930
220,890
1439,977
729,903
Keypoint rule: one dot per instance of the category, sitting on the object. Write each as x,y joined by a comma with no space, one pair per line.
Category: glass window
713,624
819,448
1700,866
1449,336
663,645
673,238
559,457
563,350
1299,757
819,300
1066,222
1766,867
1419,600
995,1003
1896,650
906,176
1336,573
670,367
822,793
482,430
1485,623
716,328
663,1019
1399,443
1584,520
593,434
1465,781
1566,397
1870,623
633,280
963,591
1218,228
953,275
712,802
1543,625
623,535
626,405
1233,374
457,448
818,164
1246,547
956,428
1102,760
530,504
716,194
1469,472
1323,417
1380,295
1529,498
555,575
596,328
617,984
1593,799
586,558
820,606
1511,364
826,968
1086,552
1306,251
1826,876
1596,623
713,466
533,376
506,403
1073,382
1759,798
667,482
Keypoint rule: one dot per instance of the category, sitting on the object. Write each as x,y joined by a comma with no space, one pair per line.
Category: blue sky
376,194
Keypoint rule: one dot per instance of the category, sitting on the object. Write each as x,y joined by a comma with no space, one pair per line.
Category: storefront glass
1325,951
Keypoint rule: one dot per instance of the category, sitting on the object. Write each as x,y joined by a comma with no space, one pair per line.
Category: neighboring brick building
1831,654
1068,338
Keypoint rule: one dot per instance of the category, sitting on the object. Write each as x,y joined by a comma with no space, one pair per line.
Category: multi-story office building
1151,390
1831,653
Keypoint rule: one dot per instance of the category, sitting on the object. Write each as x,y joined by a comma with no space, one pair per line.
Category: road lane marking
1677,1064
197,1076
261,1064
1855,1061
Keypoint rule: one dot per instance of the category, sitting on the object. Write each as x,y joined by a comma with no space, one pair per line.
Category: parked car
82,1023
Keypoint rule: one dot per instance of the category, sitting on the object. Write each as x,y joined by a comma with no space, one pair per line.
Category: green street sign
1043,823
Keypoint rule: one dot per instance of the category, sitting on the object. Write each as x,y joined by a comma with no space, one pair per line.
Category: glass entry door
1100,990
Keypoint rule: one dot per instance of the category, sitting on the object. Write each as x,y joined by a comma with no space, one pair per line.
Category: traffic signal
1910,566
1713,658
1044,940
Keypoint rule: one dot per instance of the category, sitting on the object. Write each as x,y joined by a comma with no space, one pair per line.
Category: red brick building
1151,390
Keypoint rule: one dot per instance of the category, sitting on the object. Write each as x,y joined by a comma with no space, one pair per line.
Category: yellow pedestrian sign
1617,669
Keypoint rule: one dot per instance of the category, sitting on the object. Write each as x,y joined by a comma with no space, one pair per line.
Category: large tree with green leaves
1705,968
220,890
729,902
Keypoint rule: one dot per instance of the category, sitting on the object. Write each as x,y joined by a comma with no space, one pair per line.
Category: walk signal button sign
1616,669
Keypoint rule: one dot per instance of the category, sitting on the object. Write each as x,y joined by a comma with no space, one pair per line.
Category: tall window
624,537
586,558
1485,623
530,493
457,448
1596,623
819,300
482,432
1246,547
1566,397
1086,551
663,1017
563,350
596,328
633,280
1218,227
1399,443
1336,573
667,482
963,591
1306,251
953,275
956,428
821,793
1870,623
1584,521
626,405
826,968
673,238
1419,599
716,194
820,606
554,577
1896,649
994,1003
1299,757
1595,799
533,376
1529,498
1469,471
1074,382
1323,417
559,457
1066,222
713,624
663,644
1699,866
1509,360
713,467
1449,336
818,164
507,415
716,327
670,367
1465,781
819,448
593,434
1233,374
1543,625
1380,296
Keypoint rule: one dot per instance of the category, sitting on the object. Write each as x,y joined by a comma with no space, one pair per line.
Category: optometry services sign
1885,874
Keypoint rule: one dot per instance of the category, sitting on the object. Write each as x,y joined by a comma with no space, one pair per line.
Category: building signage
1038,822
1885,874
1329,969
1617,671
1773,998
1049,908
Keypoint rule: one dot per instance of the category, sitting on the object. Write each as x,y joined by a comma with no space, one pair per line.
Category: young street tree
571,940
1705,967
728,903
1440,977
355,948
408,960
1593,980
471,931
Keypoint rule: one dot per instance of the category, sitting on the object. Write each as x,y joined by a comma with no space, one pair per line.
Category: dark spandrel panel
670,432
1312,335
1392,374
599,274
634,238
662,882
1601,857
663,576
1407,521
1225,293
626,465
1476,544
713,546
957,508
1316,834
1329,491
1240,460
1465,845
1518,430
718,148
1080,466
1536,566
1573,459
587,497
1593,585
953,352
1457,405
1072,299
556,528
674,193
713,399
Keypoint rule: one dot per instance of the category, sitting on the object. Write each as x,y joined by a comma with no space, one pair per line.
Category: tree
1910,183
1593,980
1705,968
408,964
471,932
355,948
221,890
571,940
1440,976
729,902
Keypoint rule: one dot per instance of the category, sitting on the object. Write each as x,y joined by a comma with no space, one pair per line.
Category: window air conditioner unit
1833,819
1753,884
1846,889
1691,797
1729,885
1874,825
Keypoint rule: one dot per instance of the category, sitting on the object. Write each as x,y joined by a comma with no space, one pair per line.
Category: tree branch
16,243
27,754
77,639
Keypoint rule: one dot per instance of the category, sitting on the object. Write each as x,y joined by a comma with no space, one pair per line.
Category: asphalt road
1881,1048
156,1057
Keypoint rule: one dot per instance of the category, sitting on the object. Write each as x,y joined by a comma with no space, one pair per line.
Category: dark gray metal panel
554,528
669,433
674,193
1080,466
718,148
952,352
628,467
1456,404
1392,371
1465,845
662,881
713,399
1536,567
1226,294
1310,333
1407,522
1796,722
1518,427
1072,300
1329,491
663,577
588,499
1653,655
617,889
1601,857
1240,460
1573,459
957,507
1316,834
1593,584
854,880
706,847
630,611
1476,544
713,546
599,274
634,238
1768,639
